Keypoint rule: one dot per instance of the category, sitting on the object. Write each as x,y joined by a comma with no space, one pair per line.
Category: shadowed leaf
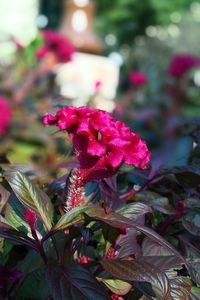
73,283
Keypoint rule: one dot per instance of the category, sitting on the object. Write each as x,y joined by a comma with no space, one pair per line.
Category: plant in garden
76,247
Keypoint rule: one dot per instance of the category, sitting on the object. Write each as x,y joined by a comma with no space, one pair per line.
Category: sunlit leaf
4,195
74,216
117,286
31,197
134,209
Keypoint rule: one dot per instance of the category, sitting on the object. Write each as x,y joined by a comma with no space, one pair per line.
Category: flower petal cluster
56,44
138,79
102,143
181,64
5,115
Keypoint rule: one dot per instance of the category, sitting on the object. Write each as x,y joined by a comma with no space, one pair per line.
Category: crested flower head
138,79
102,143
5,115
181,64
57,44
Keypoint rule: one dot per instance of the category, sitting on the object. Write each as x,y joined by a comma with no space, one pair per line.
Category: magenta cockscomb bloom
5,115
102,143
181,64
57,44
138,79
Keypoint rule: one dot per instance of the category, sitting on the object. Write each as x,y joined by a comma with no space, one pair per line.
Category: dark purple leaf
118,221
74,282
7,232
191,222
163,262
128,244
141,271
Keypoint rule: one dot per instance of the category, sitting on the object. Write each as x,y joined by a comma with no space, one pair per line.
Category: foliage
128,252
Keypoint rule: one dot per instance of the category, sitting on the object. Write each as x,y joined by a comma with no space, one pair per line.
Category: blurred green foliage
129,18
124,18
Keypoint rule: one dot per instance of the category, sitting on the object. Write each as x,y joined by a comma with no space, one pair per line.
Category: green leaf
141,271
72,217
16,221
31,197
155,200
133,210
14,215
117,286
34,286
4,195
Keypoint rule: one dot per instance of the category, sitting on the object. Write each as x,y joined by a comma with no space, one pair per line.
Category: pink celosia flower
102,143
57,44
116,297
30,218
181,64
83,260
5,115
138,79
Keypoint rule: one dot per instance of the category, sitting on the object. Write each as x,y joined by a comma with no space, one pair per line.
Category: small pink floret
30,218
83,260
138,79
